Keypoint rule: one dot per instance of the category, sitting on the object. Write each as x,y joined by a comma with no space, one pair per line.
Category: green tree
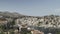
57,32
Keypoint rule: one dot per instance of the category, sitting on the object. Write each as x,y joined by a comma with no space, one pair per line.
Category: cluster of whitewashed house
41,22
47,21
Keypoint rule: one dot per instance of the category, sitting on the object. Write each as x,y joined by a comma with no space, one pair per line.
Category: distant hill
9,14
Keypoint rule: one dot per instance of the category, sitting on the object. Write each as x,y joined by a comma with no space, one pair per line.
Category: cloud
57,10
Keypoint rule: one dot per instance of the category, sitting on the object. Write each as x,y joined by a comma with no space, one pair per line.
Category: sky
31,7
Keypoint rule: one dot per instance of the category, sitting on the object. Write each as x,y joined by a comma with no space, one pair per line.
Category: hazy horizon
31,7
